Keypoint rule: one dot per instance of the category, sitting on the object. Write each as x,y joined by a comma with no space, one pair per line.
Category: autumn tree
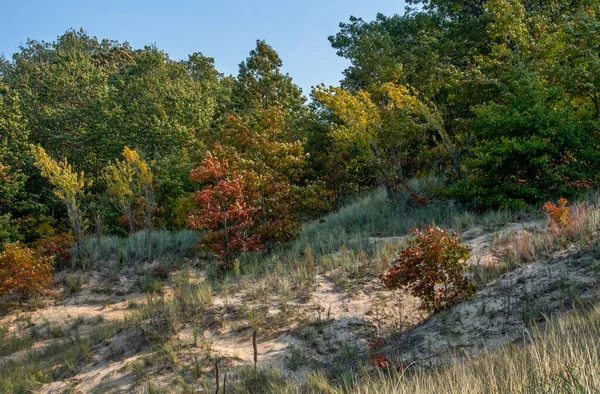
393,129
22,272
125,181
119,184
68,186
224,211
262,160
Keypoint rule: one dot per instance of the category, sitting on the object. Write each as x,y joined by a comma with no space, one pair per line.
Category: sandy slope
333,326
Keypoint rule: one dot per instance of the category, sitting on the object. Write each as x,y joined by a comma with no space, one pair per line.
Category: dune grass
563,357
139,247
372,215
560,358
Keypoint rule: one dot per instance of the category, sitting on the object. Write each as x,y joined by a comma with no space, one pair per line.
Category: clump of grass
14,344
140,247
519,247
165,317
150,283
258,381
585,222
73,284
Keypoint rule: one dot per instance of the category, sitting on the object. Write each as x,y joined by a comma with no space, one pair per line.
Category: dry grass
563,357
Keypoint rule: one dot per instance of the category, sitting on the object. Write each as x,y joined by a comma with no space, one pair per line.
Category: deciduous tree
68,186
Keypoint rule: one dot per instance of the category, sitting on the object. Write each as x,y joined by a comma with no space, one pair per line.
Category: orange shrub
57,247
559,214
432,268
22,272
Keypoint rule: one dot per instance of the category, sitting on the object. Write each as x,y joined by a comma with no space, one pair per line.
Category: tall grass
139,247
373,215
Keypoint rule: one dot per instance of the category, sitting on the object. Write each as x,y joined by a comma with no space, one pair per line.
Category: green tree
13,145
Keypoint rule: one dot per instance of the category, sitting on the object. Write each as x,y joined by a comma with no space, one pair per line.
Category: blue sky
225,30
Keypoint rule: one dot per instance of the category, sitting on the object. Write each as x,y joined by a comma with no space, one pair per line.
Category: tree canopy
499,98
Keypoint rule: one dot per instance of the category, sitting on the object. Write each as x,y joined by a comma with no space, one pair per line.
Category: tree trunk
98,225
149,207
128,212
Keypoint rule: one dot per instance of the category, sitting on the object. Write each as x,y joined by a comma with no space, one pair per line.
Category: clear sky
225,30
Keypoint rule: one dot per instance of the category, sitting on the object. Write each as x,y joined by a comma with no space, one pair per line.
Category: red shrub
57,247
239,209
377,359
559,214
432,268
227,218
23,272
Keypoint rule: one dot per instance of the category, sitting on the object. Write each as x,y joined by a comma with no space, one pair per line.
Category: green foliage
13,153
513,87
260,83
9,232
86,99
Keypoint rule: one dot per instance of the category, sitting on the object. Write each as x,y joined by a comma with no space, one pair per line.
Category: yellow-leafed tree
393,128
68,185
125,180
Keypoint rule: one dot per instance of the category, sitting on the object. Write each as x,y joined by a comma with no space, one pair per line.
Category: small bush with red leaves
23,272
432,268
377,359
559,214
57,247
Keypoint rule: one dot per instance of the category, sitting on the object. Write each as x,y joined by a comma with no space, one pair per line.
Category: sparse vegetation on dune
363,221
195,320
562,357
